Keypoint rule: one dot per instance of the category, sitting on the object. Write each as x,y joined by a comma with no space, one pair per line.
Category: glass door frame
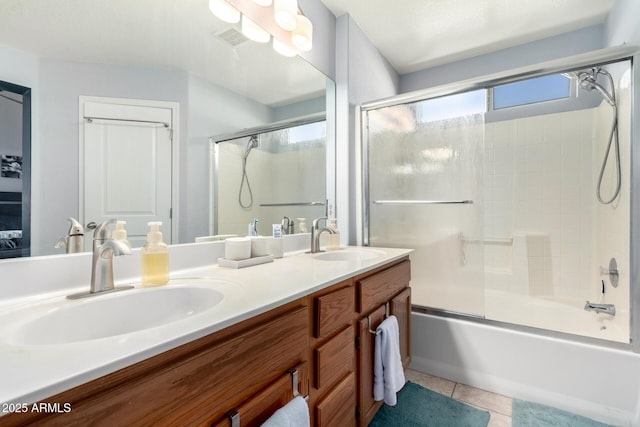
576,62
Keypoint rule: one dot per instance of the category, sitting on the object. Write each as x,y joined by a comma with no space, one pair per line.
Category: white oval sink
348,255
115,314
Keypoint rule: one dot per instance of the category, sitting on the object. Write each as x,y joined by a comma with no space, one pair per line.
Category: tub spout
601,308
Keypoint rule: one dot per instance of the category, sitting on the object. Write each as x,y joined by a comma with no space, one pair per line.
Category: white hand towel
293,414
388,375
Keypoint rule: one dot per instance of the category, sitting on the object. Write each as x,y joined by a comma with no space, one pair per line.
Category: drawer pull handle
386,314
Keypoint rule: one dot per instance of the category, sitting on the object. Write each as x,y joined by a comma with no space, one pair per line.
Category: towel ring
386,314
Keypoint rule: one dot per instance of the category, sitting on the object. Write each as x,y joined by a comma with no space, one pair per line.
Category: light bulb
265,3
302,36
253,31
224,11
282,48
285,13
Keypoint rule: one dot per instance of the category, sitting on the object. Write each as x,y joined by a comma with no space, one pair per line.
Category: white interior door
127,158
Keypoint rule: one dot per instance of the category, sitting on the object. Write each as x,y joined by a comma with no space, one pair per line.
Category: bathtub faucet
601,308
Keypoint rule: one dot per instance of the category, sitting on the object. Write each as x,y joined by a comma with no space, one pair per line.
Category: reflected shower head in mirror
251,144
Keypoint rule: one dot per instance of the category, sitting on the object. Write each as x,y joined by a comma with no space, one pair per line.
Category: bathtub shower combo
515,197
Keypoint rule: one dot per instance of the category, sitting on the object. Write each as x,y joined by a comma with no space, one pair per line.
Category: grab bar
423,202
489,240
293,204
386,314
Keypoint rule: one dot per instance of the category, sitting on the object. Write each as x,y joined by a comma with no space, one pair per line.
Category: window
547,88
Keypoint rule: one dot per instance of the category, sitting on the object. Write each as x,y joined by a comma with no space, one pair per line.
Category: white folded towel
293,414
388,375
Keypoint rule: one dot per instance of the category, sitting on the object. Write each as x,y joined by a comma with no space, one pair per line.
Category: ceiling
417,34
167,34
182,34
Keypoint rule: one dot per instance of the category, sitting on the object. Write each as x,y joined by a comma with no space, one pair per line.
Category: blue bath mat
421,407
528,414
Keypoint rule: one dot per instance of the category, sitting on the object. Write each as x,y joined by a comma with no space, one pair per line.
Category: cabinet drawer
261,406
380,287
334,359
333,311
337,409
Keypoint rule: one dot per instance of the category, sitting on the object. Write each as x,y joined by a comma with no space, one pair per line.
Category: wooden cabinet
245,371
332,352
383,293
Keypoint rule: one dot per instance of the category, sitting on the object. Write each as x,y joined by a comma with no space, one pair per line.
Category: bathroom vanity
298,326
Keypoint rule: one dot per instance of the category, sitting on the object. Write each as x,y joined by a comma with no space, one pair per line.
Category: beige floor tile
483,399
499,420
436,384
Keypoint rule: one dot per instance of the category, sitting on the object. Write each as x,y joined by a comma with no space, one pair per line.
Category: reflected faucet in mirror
73,242
105,247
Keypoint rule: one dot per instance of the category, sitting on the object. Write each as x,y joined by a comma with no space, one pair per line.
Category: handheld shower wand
587,80
251,144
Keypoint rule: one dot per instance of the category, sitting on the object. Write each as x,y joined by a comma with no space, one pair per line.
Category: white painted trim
175,145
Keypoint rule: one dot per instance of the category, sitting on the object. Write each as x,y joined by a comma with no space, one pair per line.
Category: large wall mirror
74,54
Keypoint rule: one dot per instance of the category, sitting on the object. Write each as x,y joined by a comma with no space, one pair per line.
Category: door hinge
170,213
357,412
358,342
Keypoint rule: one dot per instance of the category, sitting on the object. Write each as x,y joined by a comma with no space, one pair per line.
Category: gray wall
362,74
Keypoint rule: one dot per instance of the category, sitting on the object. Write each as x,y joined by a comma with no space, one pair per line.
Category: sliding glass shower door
424,178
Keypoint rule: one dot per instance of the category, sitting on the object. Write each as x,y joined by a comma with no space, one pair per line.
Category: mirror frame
25,250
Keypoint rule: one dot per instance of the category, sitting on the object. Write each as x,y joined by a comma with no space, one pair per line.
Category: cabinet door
367,406
400,306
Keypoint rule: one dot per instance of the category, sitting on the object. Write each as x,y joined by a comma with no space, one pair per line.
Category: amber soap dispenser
155,258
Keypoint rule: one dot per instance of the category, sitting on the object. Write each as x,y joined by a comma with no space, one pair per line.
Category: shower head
587,80
251,144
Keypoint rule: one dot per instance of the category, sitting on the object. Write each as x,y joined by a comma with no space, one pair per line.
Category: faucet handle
102,231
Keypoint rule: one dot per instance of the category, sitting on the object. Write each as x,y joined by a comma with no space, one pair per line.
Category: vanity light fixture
282,48
224,11
285,12
292,31
302,35
253,31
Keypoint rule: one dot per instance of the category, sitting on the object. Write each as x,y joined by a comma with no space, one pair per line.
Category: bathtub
556,314
592,380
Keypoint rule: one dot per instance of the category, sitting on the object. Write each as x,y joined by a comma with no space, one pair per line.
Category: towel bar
294,385
386,314
234,416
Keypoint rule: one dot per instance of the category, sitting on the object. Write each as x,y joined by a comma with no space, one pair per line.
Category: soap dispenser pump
155,258
120,233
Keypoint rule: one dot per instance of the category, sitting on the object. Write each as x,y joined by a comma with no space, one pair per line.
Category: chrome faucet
104,249
316,232
601,308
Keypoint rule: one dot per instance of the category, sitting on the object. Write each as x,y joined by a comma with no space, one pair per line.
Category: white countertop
32,373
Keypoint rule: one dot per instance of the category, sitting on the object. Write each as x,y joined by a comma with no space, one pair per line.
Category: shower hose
613,139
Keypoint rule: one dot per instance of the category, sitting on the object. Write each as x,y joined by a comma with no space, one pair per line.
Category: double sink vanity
216,346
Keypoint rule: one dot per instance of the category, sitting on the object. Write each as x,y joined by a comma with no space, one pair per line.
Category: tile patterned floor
499,406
